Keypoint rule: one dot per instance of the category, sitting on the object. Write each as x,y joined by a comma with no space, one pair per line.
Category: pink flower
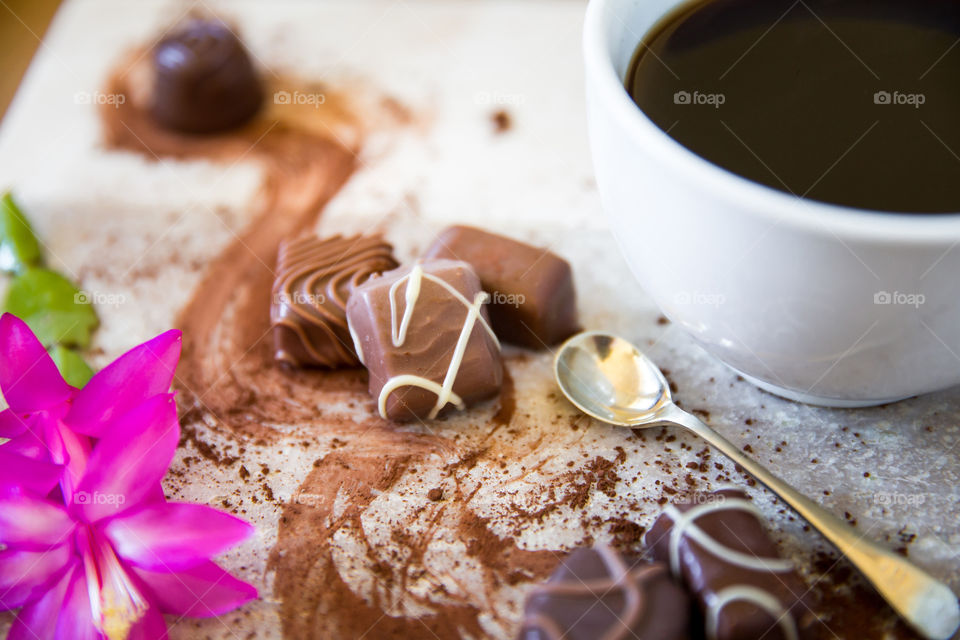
114,558
50,421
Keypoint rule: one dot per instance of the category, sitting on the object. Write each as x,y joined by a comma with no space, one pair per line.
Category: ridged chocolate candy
314,280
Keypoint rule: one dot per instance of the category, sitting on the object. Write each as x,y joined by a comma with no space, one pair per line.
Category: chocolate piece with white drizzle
718,545
315,278
598,594
423,333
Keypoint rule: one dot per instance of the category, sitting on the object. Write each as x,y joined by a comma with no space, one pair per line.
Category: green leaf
72,366
55,310
19,248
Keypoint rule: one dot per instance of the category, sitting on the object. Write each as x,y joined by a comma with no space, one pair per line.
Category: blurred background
22,25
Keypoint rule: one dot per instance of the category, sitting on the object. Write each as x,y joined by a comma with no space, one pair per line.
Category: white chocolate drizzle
398,335
629,583
684,524
755,596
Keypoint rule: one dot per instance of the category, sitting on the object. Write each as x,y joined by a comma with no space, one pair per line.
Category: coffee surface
852,102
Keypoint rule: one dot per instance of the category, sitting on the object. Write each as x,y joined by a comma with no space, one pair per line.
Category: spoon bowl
610,379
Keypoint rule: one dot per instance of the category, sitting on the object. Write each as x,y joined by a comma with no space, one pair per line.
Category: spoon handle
920,599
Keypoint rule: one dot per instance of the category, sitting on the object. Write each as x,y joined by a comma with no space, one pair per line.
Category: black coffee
854,102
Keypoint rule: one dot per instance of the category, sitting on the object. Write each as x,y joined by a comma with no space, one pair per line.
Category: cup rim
761,200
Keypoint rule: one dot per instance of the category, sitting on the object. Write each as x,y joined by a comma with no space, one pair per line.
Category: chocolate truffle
719,546
314,280
203,80
532,300
424,335
597,594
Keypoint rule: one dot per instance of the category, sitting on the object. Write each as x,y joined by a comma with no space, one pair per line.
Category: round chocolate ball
204,81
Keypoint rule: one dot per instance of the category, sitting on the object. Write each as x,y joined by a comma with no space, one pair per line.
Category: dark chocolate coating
427,351
706,574
314,280
533,299
586,599
204,81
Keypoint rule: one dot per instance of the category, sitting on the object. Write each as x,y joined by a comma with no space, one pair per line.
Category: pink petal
24,575
174,536
127,464
201,592
69,449
151,627
32,524
12,424
75,621
29,379
38,620
32,475
29,444
142,372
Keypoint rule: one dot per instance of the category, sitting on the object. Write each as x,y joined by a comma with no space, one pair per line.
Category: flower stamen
115,601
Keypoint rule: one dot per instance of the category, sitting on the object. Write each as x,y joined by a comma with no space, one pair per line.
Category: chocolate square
598,593
420,326
314,280
533,302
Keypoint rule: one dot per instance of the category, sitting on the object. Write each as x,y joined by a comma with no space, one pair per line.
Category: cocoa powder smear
433,567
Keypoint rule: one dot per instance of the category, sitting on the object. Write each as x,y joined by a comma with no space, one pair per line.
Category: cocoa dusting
627,535
703,414
315,600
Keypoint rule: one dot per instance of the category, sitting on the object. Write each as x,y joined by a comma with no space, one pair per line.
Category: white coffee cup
815,302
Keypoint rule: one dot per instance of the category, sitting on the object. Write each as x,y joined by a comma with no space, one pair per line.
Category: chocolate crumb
502,122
